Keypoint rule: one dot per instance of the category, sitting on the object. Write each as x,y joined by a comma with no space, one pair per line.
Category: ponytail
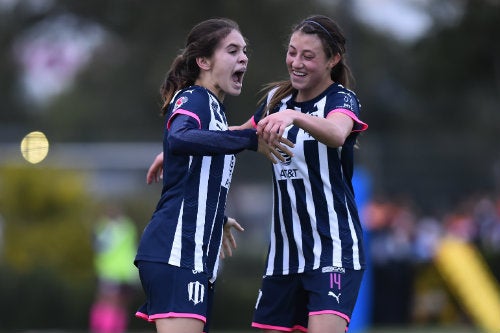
201,41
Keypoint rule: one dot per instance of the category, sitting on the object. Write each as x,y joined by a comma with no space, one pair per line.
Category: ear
334,60
204,63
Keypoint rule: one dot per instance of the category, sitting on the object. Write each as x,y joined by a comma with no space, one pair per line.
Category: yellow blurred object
470,281
35,147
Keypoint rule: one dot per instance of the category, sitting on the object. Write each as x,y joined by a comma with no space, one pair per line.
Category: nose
296,62
243,58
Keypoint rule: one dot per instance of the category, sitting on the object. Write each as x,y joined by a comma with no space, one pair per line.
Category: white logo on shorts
196,292
337,297
258,299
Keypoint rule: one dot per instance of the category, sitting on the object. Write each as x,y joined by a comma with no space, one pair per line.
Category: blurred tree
48,220
417,97
47,251
433,107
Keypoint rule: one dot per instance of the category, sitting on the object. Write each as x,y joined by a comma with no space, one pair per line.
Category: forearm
246,125
184,138
329,131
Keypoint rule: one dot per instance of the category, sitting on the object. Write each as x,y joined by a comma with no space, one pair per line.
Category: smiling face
308,66
223,72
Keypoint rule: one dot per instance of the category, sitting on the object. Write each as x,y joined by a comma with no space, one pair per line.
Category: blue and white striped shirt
315,220
186,227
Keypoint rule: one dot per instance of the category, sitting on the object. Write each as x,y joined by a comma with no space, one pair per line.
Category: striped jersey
186,227
315,220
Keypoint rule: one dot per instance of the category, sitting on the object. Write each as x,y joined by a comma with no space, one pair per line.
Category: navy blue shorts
285,302
174,292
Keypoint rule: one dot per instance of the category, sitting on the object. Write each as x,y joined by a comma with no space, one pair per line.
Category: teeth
299,73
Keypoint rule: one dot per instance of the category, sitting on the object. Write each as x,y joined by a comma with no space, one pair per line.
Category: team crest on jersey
180,101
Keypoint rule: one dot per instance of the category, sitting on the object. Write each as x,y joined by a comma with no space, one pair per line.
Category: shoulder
340,90
343,97
189,96
193,92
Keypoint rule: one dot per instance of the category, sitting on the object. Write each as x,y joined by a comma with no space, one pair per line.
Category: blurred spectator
391,226
459,222
487,217
115,246
407,286
431,300
428,234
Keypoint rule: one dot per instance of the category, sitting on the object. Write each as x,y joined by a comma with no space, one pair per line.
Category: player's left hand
228,241
272,127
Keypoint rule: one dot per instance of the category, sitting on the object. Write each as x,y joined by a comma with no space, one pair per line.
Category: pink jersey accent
279,328
351,114
141,315
170,315
254,124
340,314
187,113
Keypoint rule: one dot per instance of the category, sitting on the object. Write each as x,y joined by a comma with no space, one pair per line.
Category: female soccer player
179,249
315,260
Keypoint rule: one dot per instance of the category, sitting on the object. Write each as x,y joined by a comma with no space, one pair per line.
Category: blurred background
87,75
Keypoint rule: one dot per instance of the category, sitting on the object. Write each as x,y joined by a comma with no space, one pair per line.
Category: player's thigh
179,325
326,323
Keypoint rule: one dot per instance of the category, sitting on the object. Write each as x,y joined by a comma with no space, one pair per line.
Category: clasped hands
270,132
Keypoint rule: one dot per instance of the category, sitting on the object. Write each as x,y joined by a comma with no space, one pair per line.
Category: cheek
314,67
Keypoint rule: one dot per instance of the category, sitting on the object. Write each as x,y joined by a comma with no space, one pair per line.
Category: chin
298,86
298,82
234,91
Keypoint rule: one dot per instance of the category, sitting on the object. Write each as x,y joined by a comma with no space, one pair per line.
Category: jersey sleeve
258,115
186,137
346,102
193,103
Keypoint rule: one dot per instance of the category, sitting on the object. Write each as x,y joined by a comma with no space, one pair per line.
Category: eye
308,56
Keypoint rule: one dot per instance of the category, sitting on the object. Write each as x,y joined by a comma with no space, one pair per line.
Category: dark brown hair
333,41
201,41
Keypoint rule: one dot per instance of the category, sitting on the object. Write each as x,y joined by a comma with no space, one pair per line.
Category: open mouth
238,76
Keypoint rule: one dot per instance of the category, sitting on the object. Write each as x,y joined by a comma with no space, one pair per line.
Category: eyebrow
306,50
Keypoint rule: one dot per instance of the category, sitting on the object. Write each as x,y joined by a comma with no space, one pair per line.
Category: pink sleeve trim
187,113
340,314
279,328
254,124
351,114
